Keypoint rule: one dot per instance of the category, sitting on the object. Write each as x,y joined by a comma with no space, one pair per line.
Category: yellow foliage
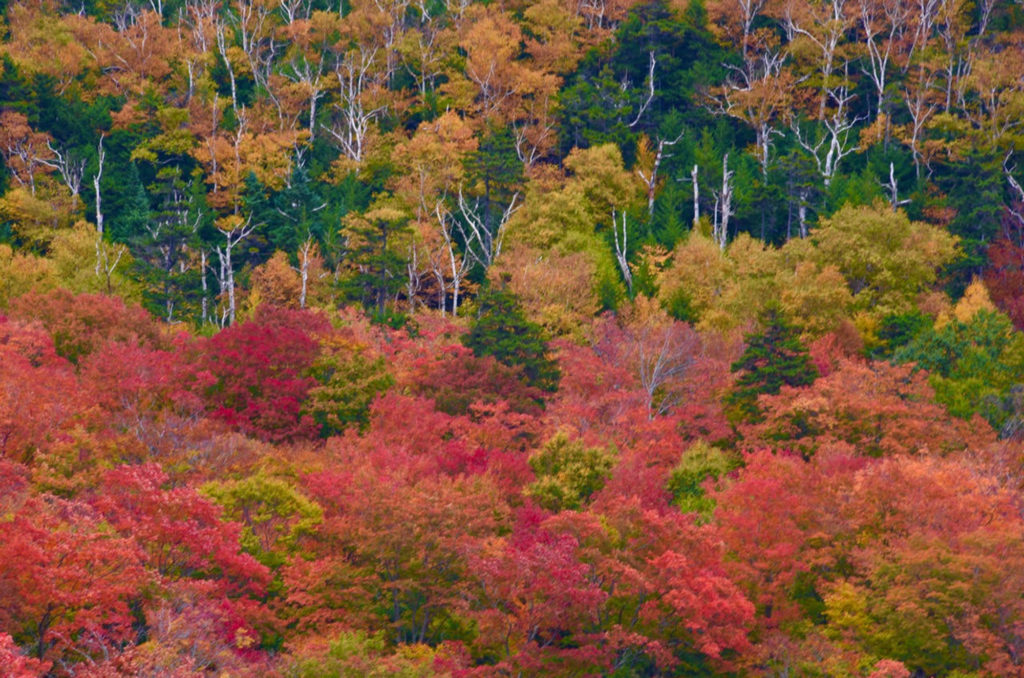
35,218
728,289
975,299
698,269
552,218
606,183
816,299
875,132
40,42
556,290
887,259
867,325
755,269
21,273
75,251
275,282
431,162
557,49
643,312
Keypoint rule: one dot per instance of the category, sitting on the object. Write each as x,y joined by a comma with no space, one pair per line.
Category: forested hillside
559,338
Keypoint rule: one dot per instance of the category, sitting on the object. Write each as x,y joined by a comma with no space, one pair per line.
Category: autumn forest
526,338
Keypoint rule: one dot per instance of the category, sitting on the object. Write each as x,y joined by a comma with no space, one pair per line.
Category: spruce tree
165,248
502,330
774,358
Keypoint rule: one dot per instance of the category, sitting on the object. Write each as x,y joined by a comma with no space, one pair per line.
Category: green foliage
774,358
887,259
609,291
348,383
357,654
602,103
15,90
163,246
568,472
909,630
274,515
288,216
500,329
673,214
975,188
375,259
495,164
898,330
122,187
495,173
679,306
128,210
701,462
409,526
974,365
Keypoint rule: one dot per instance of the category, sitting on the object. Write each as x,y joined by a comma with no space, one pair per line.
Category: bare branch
650,91
488,240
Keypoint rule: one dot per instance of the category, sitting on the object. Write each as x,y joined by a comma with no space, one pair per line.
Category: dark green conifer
774,358
502,330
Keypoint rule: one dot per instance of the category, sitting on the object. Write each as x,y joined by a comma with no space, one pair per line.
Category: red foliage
878,408
635,477
17,665
438,367
596,395
66,580
945,548
702,600
922,539
667,588
1004,276
889,668
255,375
860,486
39,394
490,439
401,531
531,593
829,351
765,520
131,379
82,323
180,531
613,392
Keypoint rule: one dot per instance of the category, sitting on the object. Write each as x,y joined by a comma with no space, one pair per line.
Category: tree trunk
696,197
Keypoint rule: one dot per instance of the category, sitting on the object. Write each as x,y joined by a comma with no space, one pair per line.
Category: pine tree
374,253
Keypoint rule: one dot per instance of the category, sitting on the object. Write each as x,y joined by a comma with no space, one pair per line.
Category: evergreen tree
502,330
673,214
372,249
258,203
609,99
774,358
131,215
298,208
594,108
166,249
125,202
974,365
497,173
975,189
